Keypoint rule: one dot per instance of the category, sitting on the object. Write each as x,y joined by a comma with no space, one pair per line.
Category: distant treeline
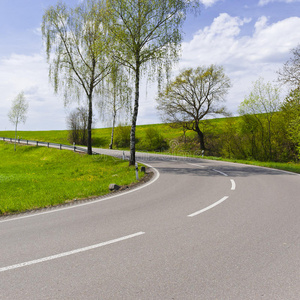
273,136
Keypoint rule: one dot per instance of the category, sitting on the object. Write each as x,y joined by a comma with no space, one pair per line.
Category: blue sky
250,38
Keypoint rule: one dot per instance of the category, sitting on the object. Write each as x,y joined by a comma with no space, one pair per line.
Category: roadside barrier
46,144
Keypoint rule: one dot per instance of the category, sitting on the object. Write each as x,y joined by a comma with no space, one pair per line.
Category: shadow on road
209,168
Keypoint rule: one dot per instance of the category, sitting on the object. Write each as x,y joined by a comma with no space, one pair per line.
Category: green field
54,136
36,177
101,138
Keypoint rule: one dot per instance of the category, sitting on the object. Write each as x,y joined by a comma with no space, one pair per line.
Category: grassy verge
290,166
101,138
37,177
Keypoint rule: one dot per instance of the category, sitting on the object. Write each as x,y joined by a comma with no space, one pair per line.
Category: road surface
199,230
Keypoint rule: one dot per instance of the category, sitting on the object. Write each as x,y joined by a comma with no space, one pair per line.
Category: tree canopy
290,72
194,94
77,45
18,111
147,36
291,113
259,109
117,93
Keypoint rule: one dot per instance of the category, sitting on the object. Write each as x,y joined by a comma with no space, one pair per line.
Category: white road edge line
157,175
224,174
208,207
233,185
37,261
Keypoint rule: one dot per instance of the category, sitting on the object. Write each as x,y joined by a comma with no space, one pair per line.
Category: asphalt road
199,230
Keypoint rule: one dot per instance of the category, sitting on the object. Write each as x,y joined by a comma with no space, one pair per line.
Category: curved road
199,230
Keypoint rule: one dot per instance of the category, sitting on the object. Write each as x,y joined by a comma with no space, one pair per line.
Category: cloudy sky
249,38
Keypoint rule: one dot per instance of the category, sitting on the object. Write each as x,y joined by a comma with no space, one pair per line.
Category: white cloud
244,58
208,3
29,74
265,2
261,23
215,43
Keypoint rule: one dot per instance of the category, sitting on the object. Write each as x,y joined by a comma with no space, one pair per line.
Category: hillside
101,136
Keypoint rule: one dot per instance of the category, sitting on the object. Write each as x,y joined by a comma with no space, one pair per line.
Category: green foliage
148,36
147,32
18,112
263,99
193,95
233,138
153,141
291,115
76,43
77,46
122,136
258,111
117,93
25,184
54,136
78,126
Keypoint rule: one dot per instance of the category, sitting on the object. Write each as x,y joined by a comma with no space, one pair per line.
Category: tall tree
117,93
77,50
147,34
291,114
194,94
18,112
290,73
262,104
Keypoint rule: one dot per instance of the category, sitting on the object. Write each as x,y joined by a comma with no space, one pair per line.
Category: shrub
77,123
122,136
153,141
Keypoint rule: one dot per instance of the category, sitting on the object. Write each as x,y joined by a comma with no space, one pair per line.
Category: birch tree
18,111
77,47
117,92
148,36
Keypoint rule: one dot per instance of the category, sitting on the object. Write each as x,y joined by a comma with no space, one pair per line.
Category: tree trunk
135,113
16,129
90,120
201,137
112,131
269,140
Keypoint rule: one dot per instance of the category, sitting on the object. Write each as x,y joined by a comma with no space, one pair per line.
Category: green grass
53,136
290,166
101,138
37,177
